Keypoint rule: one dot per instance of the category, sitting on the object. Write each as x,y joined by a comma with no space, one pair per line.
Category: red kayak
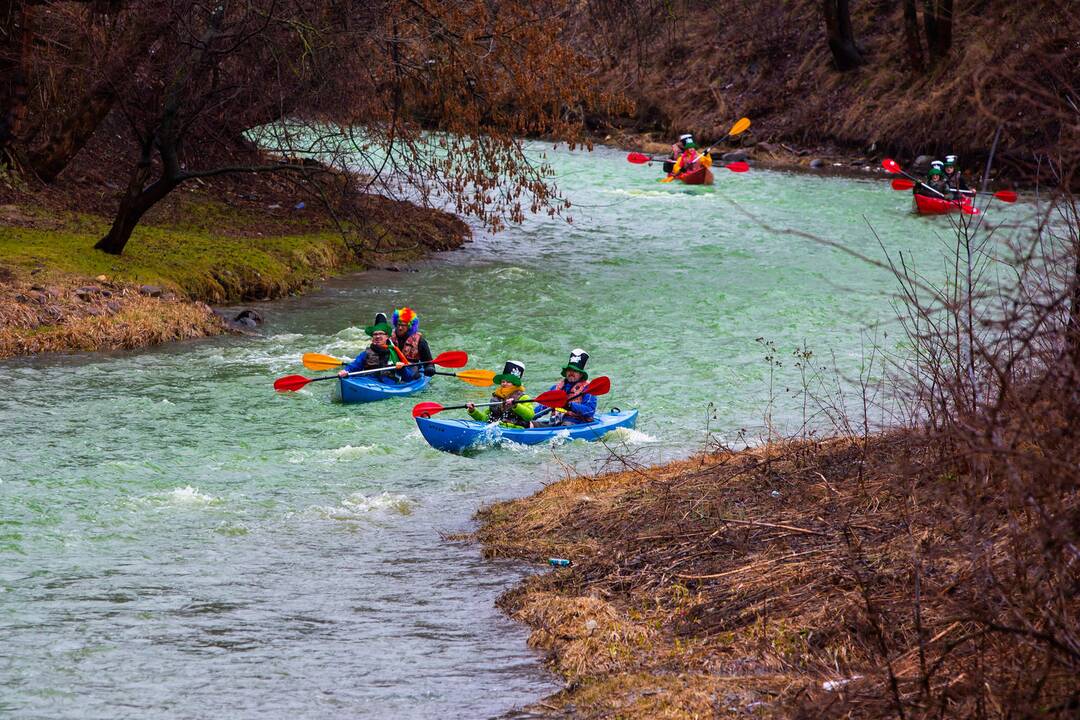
926,205
700,176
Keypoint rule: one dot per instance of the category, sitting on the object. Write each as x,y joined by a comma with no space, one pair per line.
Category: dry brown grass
738,583
46,315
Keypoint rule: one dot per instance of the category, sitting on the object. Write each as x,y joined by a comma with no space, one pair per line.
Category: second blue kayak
366,389
458,435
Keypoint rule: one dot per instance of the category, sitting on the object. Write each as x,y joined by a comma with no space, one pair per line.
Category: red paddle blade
551,398
900,184
451,359
1005,195
426,409
637,158
599,386
290,383
969,210
890,165
737,166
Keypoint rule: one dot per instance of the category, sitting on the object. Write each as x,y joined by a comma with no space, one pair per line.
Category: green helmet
935,171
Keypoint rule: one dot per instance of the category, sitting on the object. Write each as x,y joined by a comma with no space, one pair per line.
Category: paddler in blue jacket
379,354
575,379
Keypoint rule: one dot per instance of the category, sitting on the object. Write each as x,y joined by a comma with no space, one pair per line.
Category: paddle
551,398
1004,195
318,361
291,383
640,159
596,386
479,378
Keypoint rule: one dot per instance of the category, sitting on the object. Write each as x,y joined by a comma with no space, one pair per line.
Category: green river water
177,540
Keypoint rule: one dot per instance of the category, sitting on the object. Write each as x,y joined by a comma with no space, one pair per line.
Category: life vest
500,413
577,389
376,357
411,347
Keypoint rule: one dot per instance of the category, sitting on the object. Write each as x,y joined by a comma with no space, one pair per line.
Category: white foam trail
348,452
632,437
358,505
188,496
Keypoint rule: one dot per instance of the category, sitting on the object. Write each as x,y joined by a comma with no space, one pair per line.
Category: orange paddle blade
318,361
479,378
290,383
740,126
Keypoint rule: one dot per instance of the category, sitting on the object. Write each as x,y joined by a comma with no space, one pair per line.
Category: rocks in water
735,156
923,161
817,163
242,322
150,290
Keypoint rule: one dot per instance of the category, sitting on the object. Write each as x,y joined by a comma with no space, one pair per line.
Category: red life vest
411,347
576,389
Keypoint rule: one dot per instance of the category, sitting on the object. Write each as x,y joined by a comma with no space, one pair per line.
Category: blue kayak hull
365,389
459,435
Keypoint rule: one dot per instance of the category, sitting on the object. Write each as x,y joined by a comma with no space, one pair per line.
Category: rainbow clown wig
407,315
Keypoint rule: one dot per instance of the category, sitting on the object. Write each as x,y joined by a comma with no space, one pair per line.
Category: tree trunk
911,35
938,18
51,156
136,201
840,35
15,19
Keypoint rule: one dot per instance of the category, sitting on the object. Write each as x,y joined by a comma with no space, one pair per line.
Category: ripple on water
359,506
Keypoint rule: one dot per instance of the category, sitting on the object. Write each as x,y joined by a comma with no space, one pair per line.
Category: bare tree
840,35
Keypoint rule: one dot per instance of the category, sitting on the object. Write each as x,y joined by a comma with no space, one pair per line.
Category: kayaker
934,186
954,179
689,160
680,146
378,354
509,390
411,342
581,409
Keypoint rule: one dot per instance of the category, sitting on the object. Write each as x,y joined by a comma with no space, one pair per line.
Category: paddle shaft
373,371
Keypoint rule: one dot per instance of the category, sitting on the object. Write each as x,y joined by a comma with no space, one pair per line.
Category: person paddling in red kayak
954,179
514,410
378,354
582,408
411,343
934,186
689,159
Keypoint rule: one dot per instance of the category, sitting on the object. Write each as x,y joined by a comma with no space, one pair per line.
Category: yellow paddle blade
479,378
318,361
739,126
669,178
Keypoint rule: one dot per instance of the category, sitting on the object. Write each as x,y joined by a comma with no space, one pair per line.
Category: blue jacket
583,405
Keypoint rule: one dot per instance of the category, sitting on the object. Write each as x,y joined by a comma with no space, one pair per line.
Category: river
177,540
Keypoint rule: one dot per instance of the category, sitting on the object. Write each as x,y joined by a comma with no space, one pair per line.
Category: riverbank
58,294
803,579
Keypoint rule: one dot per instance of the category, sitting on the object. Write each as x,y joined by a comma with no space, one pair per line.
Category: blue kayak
367,389
459,435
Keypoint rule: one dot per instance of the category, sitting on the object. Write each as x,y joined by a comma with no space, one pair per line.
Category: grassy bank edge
58,294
